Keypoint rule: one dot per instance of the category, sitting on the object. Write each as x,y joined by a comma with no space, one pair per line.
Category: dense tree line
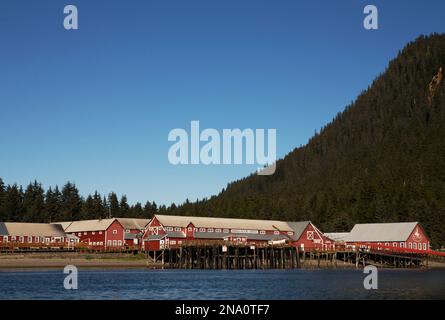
34,204
380,160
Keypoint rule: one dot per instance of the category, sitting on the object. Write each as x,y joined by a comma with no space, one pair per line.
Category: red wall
115,233
318,240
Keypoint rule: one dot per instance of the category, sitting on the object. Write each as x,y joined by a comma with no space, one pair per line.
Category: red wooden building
133,231
407,236
307,236
165,231
100,234
37,234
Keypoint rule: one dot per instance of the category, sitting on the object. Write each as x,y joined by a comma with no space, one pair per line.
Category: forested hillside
380,160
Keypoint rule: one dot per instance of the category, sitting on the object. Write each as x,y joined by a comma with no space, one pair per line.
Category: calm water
200,284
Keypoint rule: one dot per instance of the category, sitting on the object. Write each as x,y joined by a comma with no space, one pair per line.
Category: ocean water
220,284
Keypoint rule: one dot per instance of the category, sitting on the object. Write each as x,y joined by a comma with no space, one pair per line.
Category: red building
401,236
166,231
100,234
33,234
133,231
307,236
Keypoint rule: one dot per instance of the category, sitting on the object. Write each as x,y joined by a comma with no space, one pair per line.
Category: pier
240,257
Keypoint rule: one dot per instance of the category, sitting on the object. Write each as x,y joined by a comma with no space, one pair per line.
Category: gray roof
157,236
89,225
298,228
131,223
34,229
3,230
225,223
337,236
129,236
381,232
175,234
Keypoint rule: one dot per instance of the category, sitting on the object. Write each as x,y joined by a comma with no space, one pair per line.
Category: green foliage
380,160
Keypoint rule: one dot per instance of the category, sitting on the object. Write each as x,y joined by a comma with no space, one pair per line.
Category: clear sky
95,105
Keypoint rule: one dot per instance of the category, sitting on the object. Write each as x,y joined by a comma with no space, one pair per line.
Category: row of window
31,239
410,245
217,230
94,232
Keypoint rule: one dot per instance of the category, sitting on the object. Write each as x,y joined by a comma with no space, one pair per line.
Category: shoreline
12,262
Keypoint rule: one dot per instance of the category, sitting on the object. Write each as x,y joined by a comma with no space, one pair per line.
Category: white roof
381,232
130,223
228,223
89,225
337,236
34,229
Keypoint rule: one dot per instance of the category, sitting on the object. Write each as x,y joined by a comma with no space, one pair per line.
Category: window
169,228
177,228
114,243
190,228
85,233
402,245
394,244
276,232
209,230
93,233
262,232
109,243
290,233
119,243
172,242
226,230
127,230
196,229
410,245
310,235
202,229
29,239
79,234
100,232
13,238
114,231
424,246
387,244
21,239
218,230
179,242
414,245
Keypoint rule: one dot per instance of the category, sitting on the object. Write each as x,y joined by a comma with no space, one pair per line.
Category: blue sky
95,105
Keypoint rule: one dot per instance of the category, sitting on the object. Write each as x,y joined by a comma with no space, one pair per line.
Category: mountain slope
380,160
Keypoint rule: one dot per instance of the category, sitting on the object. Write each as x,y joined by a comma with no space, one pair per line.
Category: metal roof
130,223
175,234
337,236
249,236
226,223
34,229
381,232
3,230
89,225
298,228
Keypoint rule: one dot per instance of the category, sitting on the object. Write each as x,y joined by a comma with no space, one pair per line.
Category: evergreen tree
71,202
53,205
113,203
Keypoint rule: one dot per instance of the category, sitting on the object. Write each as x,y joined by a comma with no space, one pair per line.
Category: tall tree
34,203
71,202
113,205
53,205
124,207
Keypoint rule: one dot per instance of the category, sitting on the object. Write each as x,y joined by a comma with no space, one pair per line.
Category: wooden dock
240,257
